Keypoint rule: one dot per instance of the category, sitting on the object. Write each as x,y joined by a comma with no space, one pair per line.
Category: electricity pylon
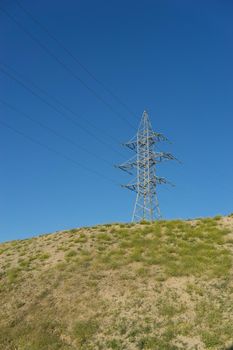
145,163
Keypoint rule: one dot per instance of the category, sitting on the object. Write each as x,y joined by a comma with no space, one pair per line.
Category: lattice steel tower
144,162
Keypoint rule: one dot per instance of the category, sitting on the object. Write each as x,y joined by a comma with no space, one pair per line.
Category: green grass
44,256
81,239
25,264
70,254
13,274
210,339
120,286
84,330
115,344
104,237
182,249
42,335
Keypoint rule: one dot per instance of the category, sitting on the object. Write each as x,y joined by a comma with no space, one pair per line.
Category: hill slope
166,285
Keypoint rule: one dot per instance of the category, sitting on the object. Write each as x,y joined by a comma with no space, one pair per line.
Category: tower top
145,121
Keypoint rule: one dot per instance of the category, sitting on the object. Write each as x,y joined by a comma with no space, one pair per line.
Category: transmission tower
144,162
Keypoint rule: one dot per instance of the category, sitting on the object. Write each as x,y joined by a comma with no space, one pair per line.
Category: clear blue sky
173,58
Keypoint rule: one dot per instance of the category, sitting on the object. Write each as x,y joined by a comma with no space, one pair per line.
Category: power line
69,110
74,121
52,36
58,134
61,63
58,153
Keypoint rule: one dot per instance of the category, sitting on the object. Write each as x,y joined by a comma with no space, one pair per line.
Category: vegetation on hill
166,285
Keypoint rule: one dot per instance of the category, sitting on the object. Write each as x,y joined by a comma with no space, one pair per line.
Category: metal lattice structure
144,162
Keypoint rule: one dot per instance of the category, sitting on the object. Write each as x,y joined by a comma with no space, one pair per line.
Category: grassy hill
166,285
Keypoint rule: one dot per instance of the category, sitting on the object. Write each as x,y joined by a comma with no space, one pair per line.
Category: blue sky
173,58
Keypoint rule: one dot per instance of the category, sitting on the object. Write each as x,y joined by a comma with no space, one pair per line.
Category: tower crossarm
140,187
159,137
129,165
143,138
132,187
161,180
131,145
160,156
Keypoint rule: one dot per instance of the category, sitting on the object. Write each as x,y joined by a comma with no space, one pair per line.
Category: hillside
166,285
